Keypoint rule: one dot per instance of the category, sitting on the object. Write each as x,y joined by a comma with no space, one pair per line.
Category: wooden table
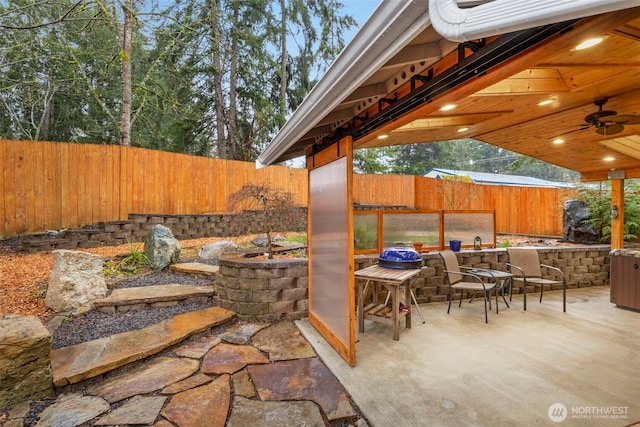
391,279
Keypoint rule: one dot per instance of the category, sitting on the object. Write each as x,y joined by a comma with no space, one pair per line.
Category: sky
360,10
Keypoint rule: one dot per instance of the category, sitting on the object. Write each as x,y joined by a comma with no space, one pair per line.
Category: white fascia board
506,16
390,28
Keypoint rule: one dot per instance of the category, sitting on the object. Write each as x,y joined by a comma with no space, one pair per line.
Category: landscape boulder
25,372
76,280
161,247
575,225
261,241
214,250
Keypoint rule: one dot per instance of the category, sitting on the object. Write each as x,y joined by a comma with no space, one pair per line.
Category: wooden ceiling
501,107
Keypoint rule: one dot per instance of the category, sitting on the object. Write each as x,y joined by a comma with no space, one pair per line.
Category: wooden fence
519,210
53,185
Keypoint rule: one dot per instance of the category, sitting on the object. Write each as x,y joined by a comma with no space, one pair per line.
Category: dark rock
575,226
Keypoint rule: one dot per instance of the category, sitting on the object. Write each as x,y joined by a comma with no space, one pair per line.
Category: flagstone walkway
250,374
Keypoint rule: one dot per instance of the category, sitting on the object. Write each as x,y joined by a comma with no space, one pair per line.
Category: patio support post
617,224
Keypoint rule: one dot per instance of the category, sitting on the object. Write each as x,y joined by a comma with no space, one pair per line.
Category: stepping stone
306,379
195,268
198,348
207,405
72,410
151,376
241,332
247,412
229,358
89,359
154,294
283,341
187,384
138,410
242,385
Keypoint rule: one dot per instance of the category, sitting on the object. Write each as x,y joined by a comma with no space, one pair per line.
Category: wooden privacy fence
54,185
519,210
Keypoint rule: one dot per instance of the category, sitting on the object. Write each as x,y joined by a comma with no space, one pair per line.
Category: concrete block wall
274,289
582,266
263,290
135,229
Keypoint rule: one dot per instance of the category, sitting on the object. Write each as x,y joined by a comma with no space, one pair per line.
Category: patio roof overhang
398,71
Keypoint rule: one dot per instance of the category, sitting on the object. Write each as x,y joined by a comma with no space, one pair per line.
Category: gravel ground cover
96,324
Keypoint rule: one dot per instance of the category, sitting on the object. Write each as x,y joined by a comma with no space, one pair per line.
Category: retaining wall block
229,282
282,283
252,307
240,295
281,307
294,294
429,291
269,273
300,271
427,271
267,295
253,284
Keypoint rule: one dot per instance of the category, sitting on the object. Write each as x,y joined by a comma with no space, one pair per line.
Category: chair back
527,259
452,266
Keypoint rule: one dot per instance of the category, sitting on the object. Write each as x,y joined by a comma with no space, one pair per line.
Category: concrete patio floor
520,369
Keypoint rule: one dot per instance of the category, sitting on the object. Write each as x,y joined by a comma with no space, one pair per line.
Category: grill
400,258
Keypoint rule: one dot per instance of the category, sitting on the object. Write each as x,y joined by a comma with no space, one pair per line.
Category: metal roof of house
496,178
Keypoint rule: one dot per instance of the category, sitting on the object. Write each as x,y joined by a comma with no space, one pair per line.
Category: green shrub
598,200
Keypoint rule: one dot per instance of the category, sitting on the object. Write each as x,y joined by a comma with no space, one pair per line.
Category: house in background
494,178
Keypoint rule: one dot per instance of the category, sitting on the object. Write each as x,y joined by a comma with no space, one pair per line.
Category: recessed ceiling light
590,42
448,107
383,136
545,102
609,159
463,129
558,141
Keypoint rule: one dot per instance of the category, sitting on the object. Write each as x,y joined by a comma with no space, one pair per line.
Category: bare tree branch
45,24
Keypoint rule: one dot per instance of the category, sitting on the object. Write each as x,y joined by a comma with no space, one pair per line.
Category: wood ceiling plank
522,86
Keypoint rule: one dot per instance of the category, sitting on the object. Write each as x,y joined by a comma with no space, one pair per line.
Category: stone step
195,268
92,358
126,299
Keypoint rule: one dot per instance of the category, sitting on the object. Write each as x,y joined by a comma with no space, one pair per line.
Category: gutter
506,16
391,27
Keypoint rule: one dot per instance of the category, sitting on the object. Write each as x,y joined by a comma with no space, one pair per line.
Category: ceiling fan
608,122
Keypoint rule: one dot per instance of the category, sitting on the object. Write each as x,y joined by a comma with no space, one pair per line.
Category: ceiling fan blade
610,129
582,127
593,118
625,119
